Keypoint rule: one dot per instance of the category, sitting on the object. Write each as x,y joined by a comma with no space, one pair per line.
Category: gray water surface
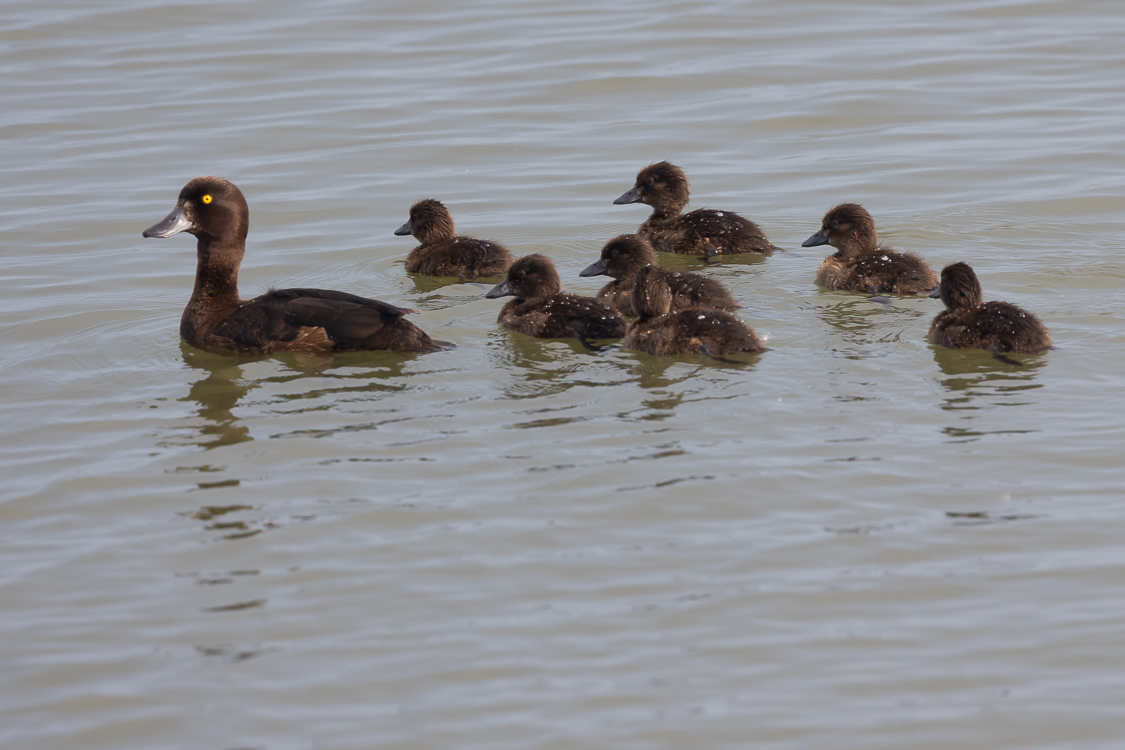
853,541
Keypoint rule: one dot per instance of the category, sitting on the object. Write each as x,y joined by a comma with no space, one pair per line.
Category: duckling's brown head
530,277
651,294
960,289
210,208
622,257
663,186
848,228
429,222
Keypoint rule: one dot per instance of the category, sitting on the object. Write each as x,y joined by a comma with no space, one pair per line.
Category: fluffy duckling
659,331
314,321
701,232
625,255
968,322
861,264
444,253
542,309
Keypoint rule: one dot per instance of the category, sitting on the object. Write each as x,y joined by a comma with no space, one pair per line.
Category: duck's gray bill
597,268
817,239
631,196
503,289
173,223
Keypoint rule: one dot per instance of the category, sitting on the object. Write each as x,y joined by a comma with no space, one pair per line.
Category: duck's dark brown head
530,277
848,228
210,208
960,289
663,186
429,222
622,257
651,294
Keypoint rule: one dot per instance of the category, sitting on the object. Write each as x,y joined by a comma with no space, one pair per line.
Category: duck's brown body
445,253
658,331
860,263
298,320
542,309
970,323
704,231
624,256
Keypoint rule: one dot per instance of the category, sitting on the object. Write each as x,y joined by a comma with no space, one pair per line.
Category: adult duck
296,320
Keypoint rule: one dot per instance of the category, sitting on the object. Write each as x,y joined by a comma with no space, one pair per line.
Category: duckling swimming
314,321
625,255
701,232
968,322
444,253
860,263
542,309
659,331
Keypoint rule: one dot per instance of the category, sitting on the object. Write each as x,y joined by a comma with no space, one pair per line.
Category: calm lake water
853,541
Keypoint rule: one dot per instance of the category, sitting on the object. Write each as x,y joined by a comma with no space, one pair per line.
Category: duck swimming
295,320
860,263
659,331
701,232
968,322
542,309
625,255
444,253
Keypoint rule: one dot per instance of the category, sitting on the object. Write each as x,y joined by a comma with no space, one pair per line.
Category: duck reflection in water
226,385
217,394
976,384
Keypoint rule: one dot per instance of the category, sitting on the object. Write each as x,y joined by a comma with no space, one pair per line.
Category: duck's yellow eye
207,199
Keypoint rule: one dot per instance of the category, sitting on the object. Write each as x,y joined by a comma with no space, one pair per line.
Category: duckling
442,252
659,331
701,232
861,264
316,321
541,309
968,322
626,254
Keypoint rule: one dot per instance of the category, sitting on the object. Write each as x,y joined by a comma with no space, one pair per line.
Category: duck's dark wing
889,271
694,290
563,316
707,231
348,321
462,256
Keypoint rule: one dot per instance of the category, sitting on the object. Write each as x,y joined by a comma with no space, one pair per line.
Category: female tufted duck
659,331
295,320
541,309
970,323
861,264
442,252
626,254
701,232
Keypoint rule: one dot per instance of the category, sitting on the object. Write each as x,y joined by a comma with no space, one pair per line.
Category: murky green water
853,541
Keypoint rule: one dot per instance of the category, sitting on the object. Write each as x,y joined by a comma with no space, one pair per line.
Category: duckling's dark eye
206,199
833,224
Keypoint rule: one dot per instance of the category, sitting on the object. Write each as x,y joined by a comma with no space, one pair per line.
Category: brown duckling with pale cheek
968,322
659,331
445,253
701,232
542,309
861,264
315,321
626,254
